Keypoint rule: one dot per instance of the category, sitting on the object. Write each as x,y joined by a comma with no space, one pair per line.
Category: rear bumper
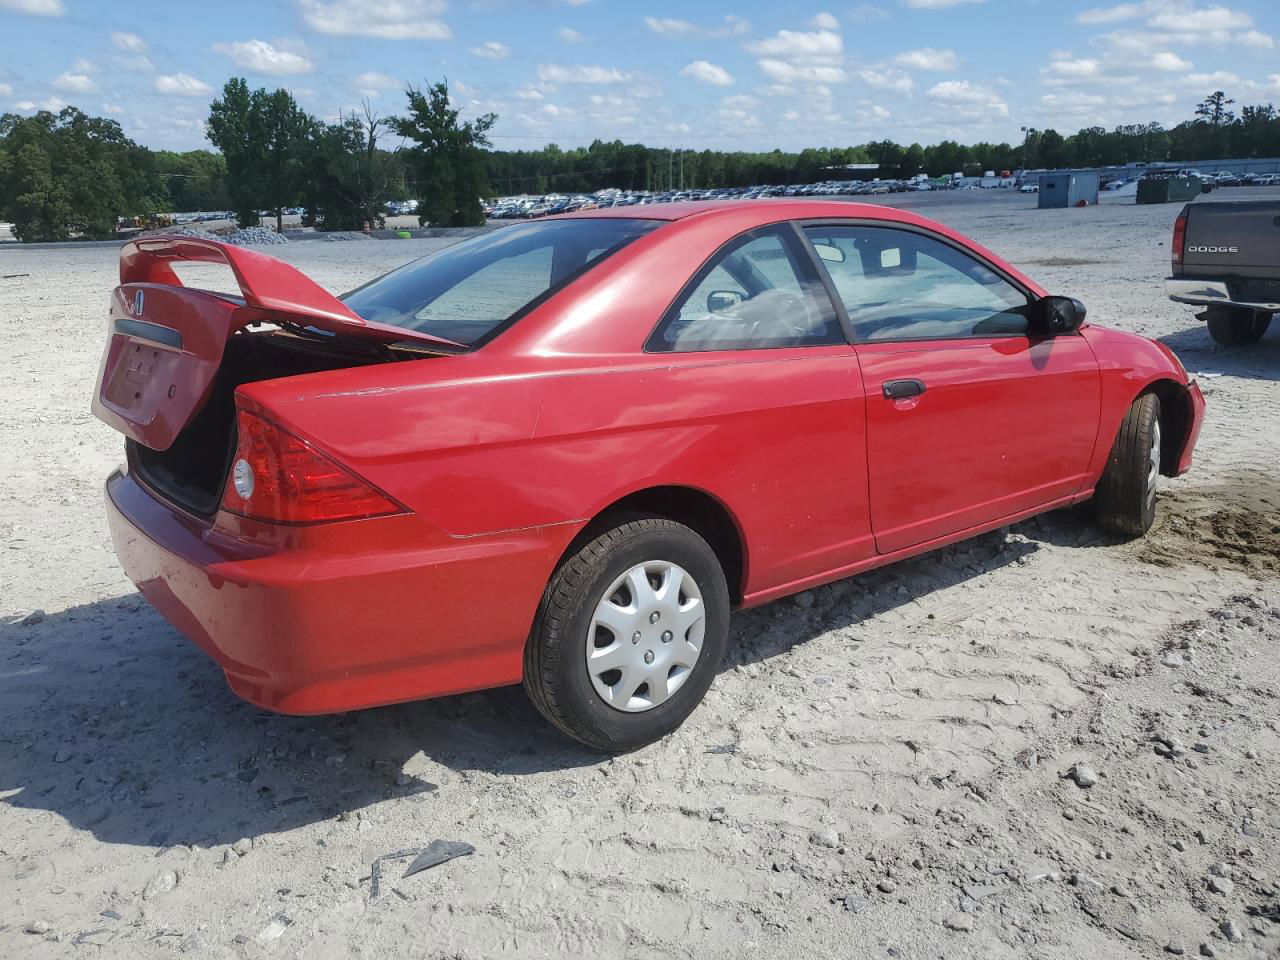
344,616
1209,293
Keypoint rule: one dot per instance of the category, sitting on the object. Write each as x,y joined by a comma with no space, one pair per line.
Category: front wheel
1234,327
1125,498
629,635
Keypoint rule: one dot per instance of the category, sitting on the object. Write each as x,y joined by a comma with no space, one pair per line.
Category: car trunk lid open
176,355
166,341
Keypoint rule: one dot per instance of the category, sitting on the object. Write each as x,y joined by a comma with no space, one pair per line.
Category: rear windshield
469,291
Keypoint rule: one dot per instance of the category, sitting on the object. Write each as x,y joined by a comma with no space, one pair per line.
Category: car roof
779,207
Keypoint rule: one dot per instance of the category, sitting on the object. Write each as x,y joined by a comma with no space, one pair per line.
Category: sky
720,74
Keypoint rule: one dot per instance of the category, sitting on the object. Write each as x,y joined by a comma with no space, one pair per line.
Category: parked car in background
561,452
1226,258
1030,186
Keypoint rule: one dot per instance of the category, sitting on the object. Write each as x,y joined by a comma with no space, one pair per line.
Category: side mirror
718,301
1057,315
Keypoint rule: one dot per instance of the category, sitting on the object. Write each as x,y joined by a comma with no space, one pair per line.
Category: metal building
1068,189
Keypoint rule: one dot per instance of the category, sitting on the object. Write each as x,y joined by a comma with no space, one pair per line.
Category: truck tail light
278,478
1179,236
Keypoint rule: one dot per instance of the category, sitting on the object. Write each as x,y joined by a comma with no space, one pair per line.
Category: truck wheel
1125,498
629,636
1233,327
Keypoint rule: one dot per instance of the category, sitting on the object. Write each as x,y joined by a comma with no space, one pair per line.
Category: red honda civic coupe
561,452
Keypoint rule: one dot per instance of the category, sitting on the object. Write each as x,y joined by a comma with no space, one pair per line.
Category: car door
755,364
971,415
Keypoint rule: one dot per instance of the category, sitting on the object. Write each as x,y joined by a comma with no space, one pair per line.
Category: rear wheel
629,635
1234,327
1125,499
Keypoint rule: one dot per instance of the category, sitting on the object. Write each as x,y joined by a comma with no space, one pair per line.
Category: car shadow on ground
112,721
1205,359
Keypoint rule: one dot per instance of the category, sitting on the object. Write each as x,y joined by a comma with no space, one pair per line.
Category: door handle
901,389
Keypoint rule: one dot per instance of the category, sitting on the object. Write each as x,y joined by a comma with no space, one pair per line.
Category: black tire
1124,501
555,668
1233,327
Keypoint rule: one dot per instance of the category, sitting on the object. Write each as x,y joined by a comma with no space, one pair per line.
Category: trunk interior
192,471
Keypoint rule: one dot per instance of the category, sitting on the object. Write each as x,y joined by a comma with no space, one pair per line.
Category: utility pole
682,168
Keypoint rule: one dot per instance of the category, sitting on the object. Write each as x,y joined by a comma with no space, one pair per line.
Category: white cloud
675,27
556,73
1194,21
969,98
52,104
671,26
570,35
890,79
114,109
797,56
137,63
258,56
386,19
868,13
1165,60
823,21
528,93
1072,101
938,4
1116,14
5,90
786,71
129,42
705,72
39,8
796,44
491,50
372,83
1257,39
928,58
1083,69
181,85
75,82
732,27
1218,79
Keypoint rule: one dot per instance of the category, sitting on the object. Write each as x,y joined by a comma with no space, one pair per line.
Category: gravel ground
1039,743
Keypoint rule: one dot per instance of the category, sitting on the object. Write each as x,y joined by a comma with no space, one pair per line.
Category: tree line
69,174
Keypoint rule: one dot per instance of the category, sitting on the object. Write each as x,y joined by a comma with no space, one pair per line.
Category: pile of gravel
240,238
347,235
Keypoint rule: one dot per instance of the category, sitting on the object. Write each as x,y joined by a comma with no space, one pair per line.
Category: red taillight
1179,236
278,478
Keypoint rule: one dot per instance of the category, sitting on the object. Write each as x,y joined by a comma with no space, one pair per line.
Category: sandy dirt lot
892,766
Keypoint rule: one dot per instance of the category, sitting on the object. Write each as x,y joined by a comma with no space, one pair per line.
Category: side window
898,285
760,291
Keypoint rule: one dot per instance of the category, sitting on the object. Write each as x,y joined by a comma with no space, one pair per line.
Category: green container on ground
1168,189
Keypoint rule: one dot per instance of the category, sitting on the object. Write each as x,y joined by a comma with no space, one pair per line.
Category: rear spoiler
273,289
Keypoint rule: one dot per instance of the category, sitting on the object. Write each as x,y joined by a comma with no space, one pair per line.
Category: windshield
469,291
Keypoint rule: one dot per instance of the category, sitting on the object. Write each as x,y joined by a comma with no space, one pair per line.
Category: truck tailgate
1232,239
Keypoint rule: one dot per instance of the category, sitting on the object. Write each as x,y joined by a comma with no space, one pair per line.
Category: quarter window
760,291
898,285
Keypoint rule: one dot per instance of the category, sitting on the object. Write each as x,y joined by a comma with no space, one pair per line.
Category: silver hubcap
1153,468
645,636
